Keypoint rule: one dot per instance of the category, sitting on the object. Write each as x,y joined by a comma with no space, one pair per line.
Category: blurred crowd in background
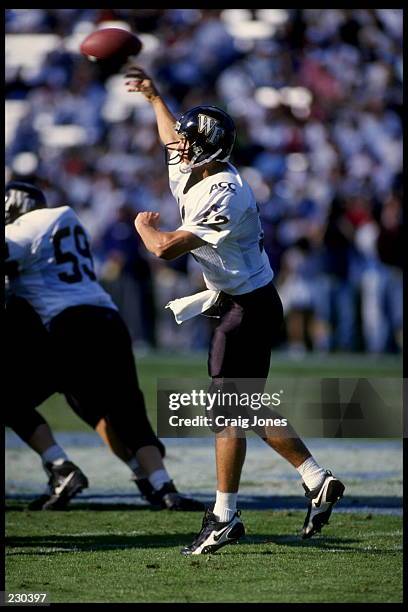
316,95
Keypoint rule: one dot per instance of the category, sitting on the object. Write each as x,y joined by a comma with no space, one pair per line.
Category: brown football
111,42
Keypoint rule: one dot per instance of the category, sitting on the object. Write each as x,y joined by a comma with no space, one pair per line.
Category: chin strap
190,165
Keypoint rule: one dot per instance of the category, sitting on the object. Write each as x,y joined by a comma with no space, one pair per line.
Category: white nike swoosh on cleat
216,538
318,500
219,534
62,486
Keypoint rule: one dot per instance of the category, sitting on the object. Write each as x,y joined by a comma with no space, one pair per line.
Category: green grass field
133,556
117,553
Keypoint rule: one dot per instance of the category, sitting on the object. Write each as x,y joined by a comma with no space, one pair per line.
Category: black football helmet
22,198
210,135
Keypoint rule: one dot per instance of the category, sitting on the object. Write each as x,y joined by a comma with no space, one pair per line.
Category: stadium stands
317,98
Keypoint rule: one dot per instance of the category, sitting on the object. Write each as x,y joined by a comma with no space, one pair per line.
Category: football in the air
108,43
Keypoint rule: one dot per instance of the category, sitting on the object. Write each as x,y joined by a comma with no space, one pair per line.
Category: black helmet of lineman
22,198
210,135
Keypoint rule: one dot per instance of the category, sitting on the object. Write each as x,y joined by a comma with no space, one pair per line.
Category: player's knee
26,427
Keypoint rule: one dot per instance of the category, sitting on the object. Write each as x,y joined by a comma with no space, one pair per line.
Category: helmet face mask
208,133
181,149
20,199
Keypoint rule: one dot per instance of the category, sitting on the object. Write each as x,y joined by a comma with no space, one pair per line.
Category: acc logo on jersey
223,185
208,125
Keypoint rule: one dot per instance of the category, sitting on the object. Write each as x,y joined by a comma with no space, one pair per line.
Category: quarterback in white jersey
221,228
222,211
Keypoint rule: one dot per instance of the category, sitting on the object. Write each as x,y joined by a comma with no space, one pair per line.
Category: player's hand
138,80
147,218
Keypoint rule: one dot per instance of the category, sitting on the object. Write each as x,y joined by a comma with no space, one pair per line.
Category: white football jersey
51,264
222,211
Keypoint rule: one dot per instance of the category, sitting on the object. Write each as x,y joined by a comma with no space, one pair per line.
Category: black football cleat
170,499
321,502
147,492
167,498
66,481
214,535
38,502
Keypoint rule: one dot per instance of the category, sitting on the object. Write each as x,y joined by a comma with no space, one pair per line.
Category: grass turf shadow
84,543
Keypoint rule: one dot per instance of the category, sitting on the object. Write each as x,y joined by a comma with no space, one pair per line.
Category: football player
28,369
29,360
49,264
220,226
